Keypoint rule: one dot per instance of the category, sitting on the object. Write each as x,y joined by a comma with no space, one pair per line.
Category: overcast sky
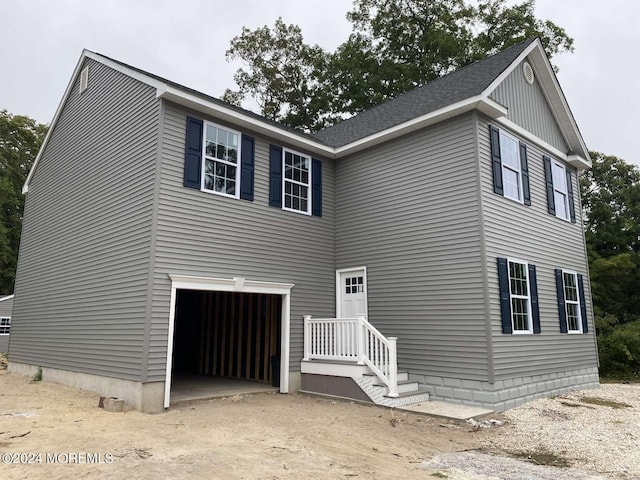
185,41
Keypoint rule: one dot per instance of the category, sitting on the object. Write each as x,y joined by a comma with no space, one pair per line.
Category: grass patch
542,457
604,403
37,377
439,475
620,379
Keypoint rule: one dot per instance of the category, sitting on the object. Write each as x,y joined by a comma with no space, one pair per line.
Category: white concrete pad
446,410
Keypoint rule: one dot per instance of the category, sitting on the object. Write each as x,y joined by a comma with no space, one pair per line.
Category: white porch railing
352,340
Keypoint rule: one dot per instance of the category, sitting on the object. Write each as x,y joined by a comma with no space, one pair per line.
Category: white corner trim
235,284
8,297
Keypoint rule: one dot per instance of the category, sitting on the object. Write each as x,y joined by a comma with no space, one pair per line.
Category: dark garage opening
225,343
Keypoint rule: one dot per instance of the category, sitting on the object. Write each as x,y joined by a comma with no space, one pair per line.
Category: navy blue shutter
548,177
496,160
275,176
562,313
316,187
535,309
572,206
505,298
583,305
524,168
247,162
193,153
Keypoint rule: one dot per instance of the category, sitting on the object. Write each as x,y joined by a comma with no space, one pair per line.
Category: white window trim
566,314
309,193
565,193
2,326
204,158
528,297
339,272
519,171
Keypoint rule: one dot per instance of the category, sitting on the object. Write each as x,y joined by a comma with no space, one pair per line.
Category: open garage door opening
225,343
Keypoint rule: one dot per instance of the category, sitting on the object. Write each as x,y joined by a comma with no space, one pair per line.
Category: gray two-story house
431,246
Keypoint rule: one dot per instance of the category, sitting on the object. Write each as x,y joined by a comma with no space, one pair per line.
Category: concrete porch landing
185,388
446,410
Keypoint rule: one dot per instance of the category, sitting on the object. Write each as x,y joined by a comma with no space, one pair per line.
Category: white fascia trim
8,297
480,102
76,72
238,118
105,61
235,284
574,160
549,85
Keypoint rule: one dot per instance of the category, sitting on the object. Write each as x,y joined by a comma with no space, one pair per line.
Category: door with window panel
353,293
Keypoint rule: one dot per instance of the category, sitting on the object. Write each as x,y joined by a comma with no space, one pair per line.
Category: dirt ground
273,436
264,436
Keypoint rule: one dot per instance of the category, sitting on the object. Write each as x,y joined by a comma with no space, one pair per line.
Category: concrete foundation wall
509,393
146,397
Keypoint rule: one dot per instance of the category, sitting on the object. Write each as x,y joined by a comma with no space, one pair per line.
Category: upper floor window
511,174
221,153
559,185
218,160
518,296
297,182
510,166
572,309
5,325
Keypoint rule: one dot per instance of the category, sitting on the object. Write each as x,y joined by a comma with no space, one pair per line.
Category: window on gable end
510,166
559,182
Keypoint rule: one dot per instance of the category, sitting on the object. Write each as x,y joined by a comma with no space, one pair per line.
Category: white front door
351,292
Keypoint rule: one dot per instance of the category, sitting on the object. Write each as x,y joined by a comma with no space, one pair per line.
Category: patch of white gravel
592,437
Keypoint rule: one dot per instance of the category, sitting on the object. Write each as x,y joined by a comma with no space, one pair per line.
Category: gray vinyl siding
408,211
204,234
533,235
84,260
529,108
6,307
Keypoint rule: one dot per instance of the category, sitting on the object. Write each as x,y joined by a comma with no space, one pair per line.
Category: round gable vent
528,72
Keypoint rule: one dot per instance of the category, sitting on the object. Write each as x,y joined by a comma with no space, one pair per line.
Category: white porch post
307,337
361,339
393,367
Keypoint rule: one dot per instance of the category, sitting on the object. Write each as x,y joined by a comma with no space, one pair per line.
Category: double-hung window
572,301
572,309
517,281
520,297
5,325
560,193
559,185
511,169
297,182
510,166
221,153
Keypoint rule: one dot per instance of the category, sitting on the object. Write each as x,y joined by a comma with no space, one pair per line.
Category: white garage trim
235,284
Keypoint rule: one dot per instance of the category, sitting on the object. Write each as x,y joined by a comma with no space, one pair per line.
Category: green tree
20,140
281,74
395,46
611,200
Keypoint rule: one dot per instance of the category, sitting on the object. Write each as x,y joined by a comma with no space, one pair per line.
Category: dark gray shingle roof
464,83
